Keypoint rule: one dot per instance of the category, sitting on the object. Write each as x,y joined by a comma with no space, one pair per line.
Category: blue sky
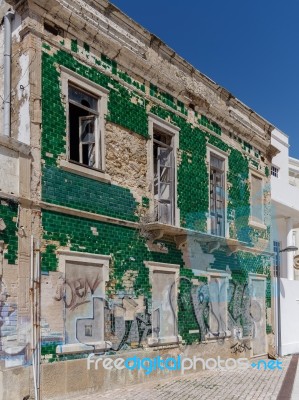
249,47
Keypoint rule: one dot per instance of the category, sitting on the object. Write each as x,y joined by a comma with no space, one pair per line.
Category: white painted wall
285,196
281,190
289,306
294,171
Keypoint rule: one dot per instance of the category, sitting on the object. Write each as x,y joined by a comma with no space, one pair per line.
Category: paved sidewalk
251,384
295,391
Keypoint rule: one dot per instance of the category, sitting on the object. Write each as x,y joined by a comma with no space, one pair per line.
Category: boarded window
164,306
218,305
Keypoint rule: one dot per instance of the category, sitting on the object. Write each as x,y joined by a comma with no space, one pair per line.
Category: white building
285,233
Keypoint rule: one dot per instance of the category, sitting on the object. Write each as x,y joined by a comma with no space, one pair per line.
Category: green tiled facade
128,108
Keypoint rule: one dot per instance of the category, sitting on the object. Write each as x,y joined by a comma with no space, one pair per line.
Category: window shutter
87,140
165,185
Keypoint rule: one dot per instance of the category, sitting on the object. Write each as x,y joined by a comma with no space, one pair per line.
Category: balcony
181,236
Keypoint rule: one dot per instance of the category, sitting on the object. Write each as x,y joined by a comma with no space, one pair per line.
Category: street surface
250,384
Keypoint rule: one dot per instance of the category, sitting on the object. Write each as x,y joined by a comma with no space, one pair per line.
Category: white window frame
252,222
212,273
69,77
157,123
277,169
221,154
173,268
101,261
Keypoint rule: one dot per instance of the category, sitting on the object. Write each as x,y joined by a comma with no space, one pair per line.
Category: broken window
163,177
217,195
84,140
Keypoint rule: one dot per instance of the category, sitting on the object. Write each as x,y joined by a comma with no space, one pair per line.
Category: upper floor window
274,171
162,174
163,177
86,107
83,128
217,195
257,199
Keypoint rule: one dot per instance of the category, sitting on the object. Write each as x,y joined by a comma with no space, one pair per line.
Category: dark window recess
274,171
88,330
82,126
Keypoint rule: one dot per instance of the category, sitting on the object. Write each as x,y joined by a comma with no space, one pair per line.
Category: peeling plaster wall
9,171
13,326
23,91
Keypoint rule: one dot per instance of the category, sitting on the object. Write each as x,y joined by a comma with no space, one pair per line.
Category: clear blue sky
249,47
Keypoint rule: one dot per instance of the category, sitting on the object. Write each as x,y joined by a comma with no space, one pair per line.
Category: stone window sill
84,171
170,340
80,347
218,335
257,225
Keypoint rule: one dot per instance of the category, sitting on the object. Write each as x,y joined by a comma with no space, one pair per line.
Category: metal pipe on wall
9,16
32,296
37,318
35,314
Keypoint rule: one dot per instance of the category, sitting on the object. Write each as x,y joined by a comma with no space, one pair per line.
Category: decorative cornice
272,151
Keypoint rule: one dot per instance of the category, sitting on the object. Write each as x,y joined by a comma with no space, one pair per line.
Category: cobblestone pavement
251,384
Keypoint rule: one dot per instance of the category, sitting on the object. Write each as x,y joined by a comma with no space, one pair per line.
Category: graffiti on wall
221,308
13,342
75,291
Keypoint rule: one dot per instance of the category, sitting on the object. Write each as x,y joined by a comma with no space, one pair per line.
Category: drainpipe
37,318
35,314
9,16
